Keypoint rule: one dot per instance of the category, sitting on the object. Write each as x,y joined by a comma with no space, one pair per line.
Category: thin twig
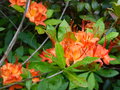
35,51
16,34
30,79
8,19
67,3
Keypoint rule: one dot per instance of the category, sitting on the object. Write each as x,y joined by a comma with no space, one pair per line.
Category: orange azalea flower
37,13
34,73
85,38
99,51
49,53
14,87
11,73
72,50
77,50
17,2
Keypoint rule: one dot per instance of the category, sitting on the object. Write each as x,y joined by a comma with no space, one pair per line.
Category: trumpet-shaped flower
11,73
37,13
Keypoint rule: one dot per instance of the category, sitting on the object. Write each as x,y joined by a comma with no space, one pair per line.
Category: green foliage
18,8
116,7
88,7
60,55
2,28
99,28
29,39
20,51
109,37
107,72
86,74
85,61
95,5
51,32
55,83
76,81
39,29
43,67
88,17
63,29
91,81
52,22
80,6
29,82
49,13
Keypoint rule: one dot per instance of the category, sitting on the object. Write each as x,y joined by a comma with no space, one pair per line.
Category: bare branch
67,3
35,51
16,34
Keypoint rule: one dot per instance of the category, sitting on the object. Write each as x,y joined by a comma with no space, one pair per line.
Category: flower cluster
76,50
36,12
11,73
17,2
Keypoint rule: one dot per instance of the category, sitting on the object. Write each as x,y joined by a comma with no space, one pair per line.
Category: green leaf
89,30
29,82
91,81
95,5
20,51
49,13
116,61
63,29
98,78
60,55
39,29
80,6
35,55
109,37
51,32
11,58
18,8
88,7
52,22
34,86
99,28
112,29
70,35
107,72
76,81
88,17
54,83
116,8
85,61
25,73
43,67
8,38
2,28
29,39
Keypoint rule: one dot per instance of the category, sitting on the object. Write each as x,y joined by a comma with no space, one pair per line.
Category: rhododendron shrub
59,45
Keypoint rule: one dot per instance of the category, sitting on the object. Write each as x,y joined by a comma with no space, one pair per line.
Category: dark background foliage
29,39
